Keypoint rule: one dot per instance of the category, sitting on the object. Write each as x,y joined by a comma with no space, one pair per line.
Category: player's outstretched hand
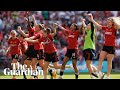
55,25
82,20
90,16
19,28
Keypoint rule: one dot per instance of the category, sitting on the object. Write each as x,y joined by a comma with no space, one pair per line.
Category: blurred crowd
10,20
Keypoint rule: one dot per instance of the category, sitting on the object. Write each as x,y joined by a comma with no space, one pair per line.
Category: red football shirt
31,32
110,36
38,46
14,49
72,39
49,46
23,44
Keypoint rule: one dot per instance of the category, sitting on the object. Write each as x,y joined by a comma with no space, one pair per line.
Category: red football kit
23,44
49,46
31,32
110,36
38,46
72,39
14,49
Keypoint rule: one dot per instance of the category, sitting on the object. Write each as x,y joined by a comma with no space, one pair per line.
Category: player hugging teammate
37,47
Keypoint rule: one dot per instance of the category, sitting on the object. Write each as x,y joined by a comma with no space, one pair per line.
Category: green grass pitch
66,76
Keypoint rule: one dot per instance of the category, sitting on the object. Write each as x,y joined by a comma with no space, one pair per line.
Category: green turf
66,76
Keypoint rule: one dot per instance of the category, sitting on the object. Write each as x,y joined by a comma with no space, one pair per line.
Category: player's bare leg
91,69
51,72
14,66
58,66
109,59
74,63
34,62
24,57
46,64
41,63
103,55
94,68
63,66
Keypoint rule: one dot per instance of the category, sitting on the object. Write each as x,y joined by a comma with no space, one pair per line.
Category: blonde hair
116,21
13,31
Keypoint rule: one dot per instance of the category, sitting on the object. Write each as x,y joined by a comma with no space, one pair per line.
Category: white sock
100,73
92,77
107,77
95,72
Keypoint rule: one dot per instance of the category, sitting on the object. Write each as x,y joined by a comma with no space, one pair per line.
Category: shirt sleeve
77,33
40,40
104,28
37,36
66,31
18,41
8,42
31,29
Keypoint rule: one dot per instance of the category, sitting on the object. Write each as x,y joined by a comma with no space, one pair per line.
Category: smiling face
13,33
37,28
44,33
109,23
73,26
21,37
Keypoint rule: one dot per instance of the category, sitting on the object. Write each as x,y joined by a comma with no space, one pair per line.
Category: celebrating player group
37,47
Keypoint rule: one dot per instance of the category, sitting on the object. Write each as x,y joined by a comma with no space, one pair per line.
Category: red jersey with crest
49,46
14,49
31,32
110,36
72,39
38,46
23,44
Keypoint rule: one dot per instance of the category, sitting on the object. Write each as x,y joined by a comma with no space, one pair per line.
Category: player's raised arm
83,26
21,31
28,20
34,20
54,30
31,41
61,27
93,21
83,22
31,38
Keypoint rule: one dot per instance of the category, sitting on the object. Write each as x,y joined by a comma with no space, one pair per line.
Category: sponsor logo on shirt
108,33
72,36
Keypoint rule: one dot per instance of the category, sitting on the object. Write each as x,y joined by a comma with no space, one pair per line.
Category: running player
14,49
72,48
89,47
29,52
109,45
34,32
49,49
38,47
23,47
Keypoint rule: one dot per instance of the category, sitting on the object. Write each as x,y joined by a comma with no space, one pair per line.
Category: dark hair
40,26
45,31
48,30
76,26
31,24
21,36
